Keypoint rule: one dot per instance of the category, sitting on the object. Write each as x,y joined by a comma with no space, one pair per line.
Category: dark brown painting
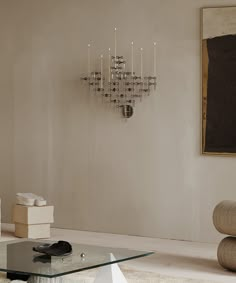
219,80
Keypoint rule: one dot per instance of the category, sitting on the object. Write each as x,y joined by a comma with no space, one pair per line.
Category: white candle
89,72
154,59
132,59
141,63
115,45
101,71
109,65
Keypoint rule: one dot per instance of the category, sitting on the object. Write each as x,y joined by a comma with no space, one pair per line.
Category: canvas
218,80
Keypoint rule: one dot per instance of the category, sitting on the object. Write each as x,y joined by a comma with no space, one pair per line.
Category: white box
33,214
35,231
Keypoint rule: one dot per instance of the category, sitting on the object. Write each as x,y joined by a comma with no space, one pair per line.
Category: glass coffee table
19,261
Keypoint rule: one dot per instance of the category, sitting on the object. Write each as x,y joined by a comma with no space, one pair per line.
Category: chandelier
117,85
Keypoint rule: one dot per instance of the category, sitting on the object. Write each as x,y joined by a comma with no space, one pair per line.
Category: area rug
132,276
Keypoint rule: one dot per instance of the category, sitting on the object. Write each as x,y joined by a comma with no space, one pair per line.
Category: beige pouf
226,253
224,217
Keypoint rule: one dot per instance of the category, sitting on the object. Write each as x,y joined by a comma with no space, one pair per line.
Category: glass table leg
110,273
37,279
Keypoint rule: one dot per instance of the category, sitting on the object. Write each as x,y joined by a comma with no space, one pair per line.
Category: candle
89,72
141,63
109,65
132,59
101,71
115,46
154,59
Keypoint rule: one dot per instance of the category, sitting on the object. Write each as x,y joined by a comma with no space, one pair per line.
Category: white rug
131,275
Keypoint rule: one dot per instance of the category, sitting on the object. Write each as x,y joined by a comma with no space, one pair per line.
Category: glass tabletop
18,257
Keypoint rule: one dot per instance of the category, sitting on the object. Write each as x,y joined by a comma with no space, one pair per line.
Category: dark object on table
61,248
15,276
42,258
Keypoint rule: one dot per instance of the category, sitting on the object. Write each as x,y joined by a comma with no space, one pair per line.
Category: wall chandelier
117,85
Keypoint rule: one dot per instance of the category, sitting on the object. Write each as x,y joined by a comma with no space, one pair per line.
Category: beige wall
144,177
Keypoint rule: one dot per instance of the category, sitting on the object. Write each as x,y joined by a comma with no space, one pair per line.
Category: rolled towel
226,253
224,217
30,199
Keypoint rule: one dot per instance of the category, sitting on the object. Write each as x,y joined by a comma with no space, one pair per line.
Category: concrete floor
172,258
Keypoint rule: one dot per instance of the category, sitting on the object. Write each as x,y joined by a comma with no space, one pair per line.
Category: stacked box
33,221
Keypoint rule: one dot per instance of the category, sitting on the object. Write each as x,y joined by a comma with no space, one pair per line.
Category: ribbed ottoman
224,219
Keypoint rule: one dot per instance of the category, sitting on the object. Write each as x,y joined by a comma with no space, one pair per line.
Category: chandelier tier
118,86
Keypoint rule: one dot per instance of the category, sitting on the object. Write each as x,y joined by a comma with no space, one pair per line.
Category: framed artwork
219,80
